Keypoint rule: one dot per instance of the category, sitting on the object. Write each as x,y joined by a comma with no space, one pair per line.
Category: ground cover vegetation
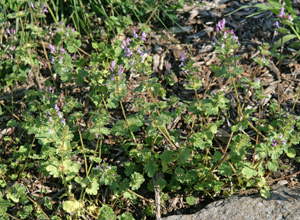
114,152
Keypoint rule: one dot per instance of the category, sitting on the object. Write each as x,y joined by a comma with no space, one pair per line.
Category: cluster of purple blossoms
126,46
182,60
59,114
65,30
69,30
274,142
104,167
12,34
135,54
225,33
288,18
59,53
47,89
43,8
120,70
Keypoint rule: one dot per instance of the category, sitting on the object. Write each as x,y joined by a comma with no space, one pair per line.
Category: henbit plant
65,144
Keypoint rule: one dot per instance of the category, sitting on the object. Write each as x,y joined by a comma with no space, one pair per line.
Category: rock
284,203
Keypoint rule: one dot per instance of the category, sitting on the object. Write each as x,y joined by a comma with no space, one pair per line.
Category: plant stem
83,150
240,113
123,111
38,206
255,72
296,98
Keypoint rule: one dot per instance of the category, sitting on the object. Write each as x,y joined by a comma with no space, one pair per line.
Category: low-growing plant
63,138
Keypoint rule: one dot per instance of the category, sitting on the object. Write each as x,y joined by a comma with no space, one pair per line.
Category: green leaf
290,152
265,193
92,188
136,180
71,206
125,216
248,171
120,128
106,213
53,169
284,39
161,183
240,126
272,165
184,156
4,204
217,156
151,168
190,200
199,140
225,169
27,210
134,122
167,157
48,203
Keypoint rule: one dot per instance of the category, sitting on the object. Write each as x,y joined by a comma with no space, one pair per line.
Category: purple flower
123,45
60,115
61,59
277,24
225,34
290,19
8,31
284,142
221,25
62,50
56,107
134,34
63,121
50,119
144,35
280,136
52,48
31,4
281,12
50,130
274,143
182,57
112,65
121,70
182,60
45,8
139,50
129,52
223,45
